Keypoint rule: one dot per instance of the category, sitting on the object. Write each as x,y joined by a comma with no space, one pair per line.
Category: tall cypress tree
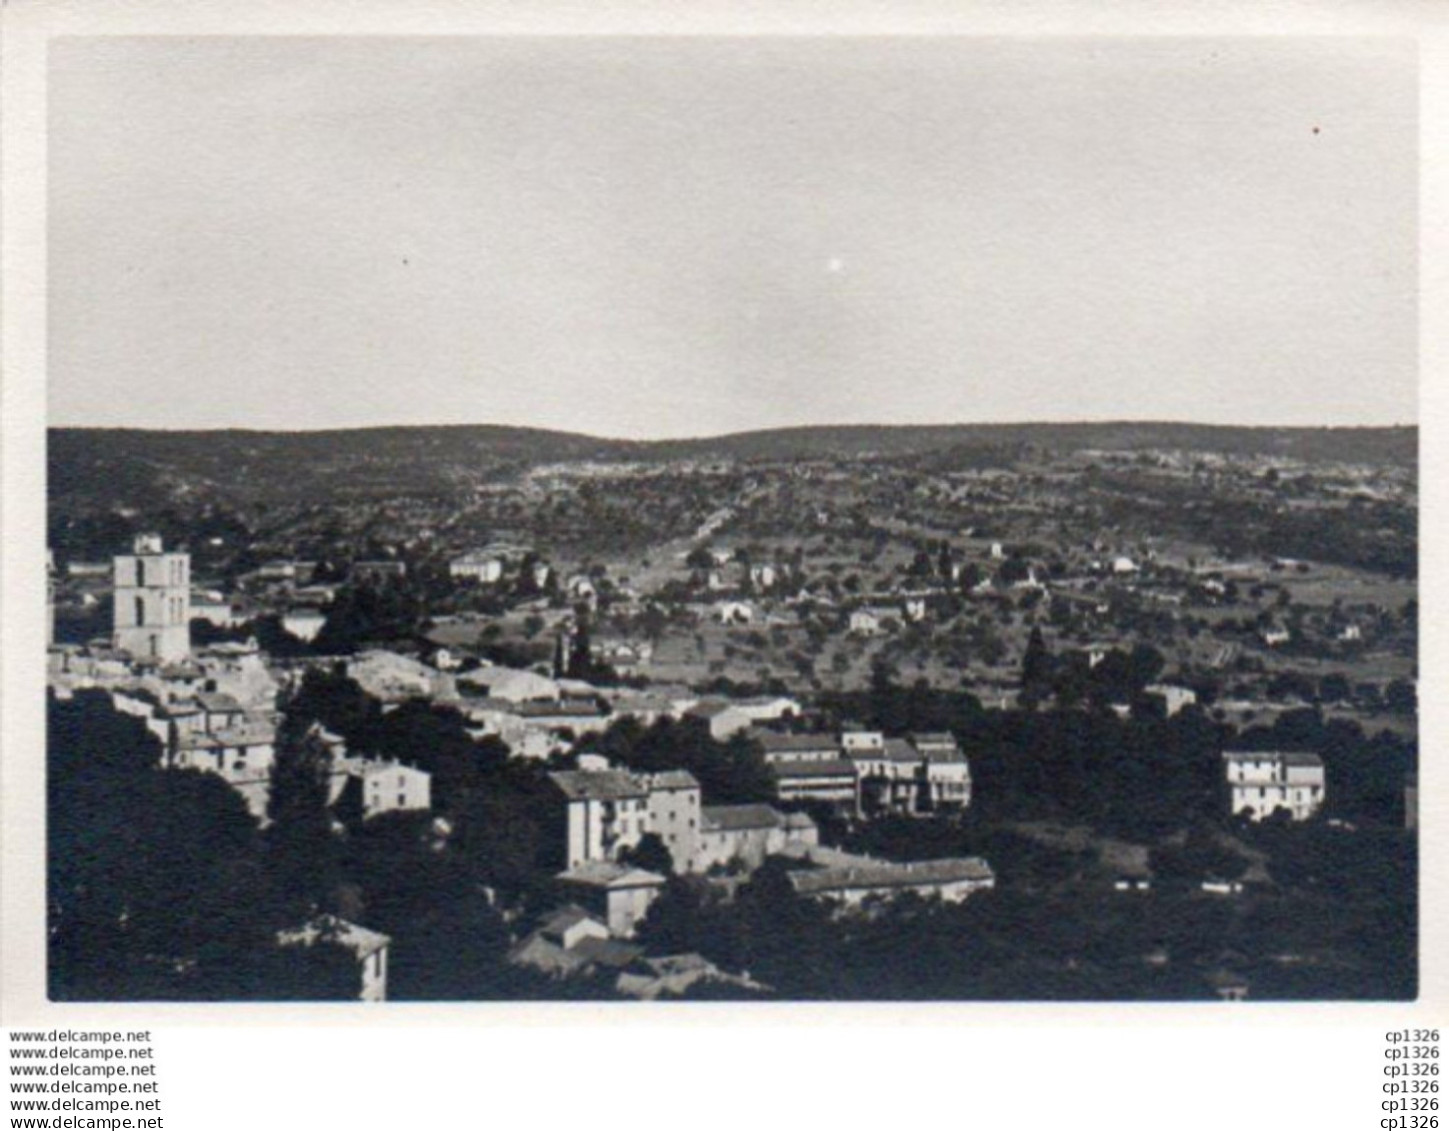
301,850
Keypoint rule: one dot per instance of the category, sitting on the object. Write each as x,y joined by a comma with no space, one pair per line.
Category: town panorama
1035,712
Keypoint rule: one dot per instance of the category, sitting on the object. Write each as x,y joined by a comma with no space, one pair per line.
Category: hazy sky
689,236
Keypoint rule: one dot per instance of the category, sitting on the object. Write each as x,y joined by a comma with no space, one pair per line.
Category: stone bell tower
152,609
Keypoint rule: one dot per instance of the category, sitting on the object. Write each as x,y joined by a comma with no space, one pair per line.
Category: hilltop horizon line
786,429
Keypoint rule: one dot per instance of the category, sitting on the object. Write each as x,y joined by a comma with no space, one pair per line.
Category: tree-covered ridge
136,464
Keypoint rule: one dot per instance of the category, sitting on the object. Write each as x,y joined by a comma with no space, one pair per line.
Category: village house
571,941
945,769
619,895
830,781
743,835
315,595
500,718
1274,635
871,620
304,624
373,572
393,678
734,612
606,811
92,570
723,717
238,669
1174,698
856,740
571,925
891,776
1262,782
285,572
477,566
768,708
218,709
369,948
672,812
627,657
517,685
567,716
241,755
647,707
796,748
216,609
372,787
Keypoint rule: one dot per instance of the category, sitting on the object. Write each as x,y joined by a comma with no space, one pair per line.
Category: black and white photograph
754,520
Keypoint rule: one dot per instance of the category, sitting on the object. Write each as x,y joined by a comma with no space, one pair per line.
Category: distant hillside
1397,446
133,466
118,467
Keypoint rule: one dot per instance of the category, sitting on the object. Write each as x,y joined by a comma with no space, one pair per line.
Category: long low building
832,781
850,881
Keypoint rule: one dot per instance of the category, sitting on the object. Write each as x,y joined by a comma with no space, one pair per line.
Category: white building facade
1261,782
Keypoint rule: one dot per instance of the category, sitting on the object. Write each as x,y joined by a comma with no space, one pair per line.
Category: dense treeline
1142,776
1351,935
125,837
161,886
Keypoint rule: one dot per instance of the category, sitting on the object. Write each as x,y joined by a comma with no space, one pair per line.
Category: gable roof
827,768
882,874
899,750
598,785
354,937
943,757
217,701
780,743
710,708
735,818
672,779
570,915
606,874
1285,757
607,952
562,708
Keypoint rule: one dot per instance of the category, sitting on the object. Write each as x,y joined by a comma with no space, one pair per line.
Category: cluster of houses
864,772
609,812
214,709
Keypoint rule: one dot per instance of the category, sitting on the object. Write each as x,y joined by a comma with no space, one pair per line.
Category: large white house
1264,781
478,566
607,812
381,786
